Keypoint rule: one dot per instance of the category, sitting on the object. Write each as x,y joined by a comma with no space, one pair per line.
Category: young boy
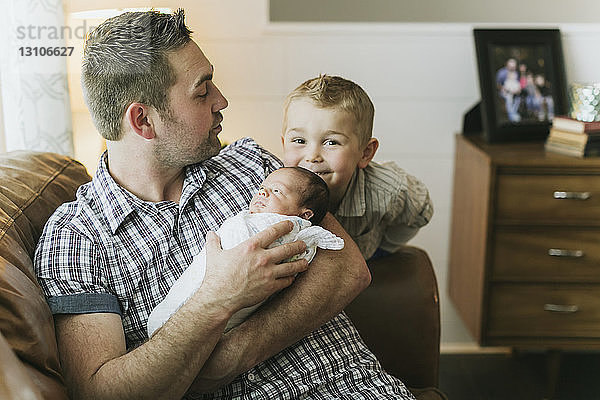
292,193
327,129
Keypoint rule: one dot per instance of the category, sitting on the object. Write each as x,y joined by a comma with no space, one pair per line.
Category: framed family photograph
522,82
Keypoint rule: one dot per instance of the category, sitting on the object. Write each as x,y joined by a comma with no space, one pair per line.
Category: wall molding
416,28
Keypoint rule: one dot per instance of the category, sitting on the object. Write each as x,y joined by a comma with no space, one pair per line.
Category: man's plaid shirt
109,251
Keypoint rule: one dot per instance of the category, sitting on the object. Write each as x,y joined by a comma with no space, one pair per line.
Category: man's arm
332,281
92,346
96,365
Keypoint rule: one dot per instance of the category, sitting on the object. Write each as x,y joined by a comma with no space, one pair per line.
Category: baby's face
279,193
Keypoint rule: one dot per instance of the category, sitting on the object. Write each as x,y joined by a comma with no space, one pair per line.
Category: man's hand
250,272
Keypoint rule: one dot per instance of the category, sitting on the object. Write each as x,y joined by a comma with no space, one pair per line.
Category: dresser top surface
525,154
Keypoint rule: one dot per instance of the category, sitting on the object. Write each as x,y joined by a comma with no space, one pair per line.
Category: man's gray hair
125,61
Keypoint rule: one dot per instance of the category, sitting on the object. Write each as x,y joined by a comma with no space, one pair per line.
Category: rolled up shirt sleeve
69,269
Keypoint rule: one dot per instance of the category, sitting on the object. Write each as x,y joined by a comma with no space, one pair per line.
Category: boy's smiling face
323,140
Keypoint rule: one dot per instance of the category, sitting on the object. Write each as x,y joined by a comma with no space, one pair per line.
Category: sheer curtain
33,76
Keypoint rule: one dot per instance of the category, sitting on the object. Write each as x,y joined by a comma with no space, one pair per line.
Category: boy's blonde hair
336,92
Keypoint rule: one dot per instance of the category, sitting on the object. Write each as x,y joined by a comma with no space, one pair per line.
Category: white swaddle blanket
234,231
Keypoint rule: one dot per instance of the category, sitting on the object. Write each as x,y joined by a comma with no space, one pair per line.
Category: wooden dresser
525,246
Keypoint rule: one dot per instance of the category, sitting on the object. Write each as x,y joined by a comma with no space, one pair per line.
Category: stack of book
572,137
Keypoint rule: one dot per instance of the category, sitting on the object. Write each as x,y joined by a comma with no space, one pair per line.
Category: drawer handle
565,253
561,308
572,195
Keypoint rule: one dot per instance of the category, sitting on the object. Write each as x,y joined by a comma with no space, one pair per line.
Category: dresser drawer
534,198
544,311
550,254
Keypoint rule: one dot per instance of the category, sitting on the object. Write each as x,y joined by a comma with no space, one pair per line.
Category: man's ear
137,116
368,152
306,214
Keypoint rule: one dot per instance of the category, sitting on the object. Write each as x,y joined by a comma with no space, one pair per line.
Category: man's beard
176,153
179,155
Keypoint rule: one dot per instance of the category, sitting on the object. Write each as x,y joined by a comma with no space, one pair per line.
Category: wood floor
518,377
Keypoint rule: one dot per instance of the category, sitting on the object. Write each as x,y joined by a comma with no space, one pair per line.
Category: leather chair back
32,186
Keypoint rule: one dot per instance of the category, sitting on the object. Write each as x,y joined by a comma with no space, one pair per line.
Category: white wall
421,78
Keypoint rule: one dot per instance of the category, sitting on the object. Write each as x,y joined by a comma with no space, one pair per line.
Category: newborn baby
292,193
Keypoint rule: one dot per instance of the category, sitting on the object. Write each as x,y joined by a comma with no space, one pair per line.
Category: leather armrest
398,316
32,186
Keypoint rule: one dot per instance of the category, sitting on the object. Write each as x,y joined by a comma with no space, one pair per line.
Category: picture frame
522,82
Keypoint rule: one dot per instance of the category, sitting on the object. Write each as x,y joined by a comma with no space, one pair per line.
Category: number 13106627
45,51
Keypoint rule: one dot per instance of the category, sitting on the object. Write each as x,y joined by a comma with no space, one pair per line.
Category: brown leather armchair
398,315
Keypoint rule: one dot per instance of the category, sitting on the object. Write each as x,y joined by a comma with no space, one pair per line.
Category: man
107,259
509,88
